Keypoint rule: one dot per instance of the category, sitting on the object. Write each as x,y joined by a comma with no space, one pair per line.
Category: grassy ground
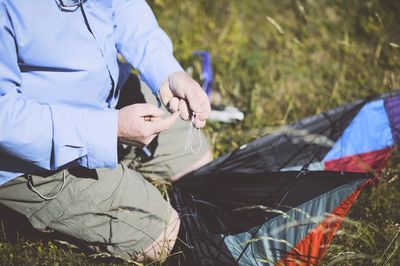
279,61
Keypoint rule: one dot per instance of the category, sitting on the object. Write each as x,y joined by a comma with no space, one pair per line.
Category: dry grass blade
387,248
275,24
348,256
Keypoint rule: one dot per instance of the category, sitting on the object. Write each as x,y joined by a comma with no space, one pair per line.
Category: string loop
191,136
46,197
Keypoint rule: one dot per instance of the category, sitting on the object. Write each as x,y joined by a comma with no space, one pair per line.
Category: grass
279,61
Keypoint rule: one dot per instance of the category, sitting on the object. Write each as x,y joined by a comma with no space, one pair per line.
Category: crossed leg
112,210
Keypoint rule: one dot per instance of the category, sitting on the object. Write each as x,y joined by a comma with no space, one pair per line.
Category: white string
47,197
190,136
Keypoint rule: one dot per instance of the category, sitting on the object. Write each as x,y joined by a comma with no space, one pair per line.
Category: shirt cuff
100,130
158,71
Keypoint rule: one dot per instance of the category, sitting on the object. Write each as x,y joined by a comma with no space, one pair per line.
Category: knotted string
190,136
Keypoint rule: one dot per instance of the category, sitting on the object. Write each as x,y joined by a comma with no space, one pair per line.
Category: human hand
138,124
180,93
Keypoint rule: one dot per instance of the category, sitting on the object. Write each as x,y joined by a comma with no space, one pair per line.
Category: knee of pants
156,251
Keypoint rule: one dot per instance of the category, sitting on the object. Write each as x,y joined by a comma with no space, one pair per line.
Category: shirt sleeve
43,135
143,43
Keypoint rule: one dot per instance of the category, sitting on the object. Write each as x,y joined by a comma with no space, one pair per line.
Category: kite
280,199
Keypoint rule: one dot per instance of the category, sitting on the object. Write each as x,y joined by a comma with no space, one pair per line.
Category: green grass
279,61
327,53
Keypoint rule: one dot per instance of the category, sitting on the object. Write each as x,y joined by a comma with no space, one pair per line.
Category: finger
145,109
163,124
173,105
184,110
155,118
200,104
165,93
151,118
205,110
148,140
199,123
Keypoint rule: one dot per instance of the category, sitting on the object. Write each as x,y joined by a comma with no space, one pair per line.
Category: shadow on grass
21,244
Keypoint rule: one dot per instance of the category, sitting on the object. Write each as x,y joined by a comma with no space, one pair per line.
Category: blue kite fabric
393,111
206,70
281,198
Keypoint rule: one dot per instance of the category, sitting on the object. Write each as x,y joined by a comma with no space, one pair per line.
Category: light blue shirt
58,80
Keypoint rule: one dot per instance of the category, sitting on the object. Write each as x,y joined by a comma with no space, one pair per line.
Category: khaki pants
115,210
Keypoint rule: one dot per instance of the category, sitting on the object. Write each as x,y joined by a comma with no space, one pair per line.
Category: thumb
145,109
161,125
199,103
